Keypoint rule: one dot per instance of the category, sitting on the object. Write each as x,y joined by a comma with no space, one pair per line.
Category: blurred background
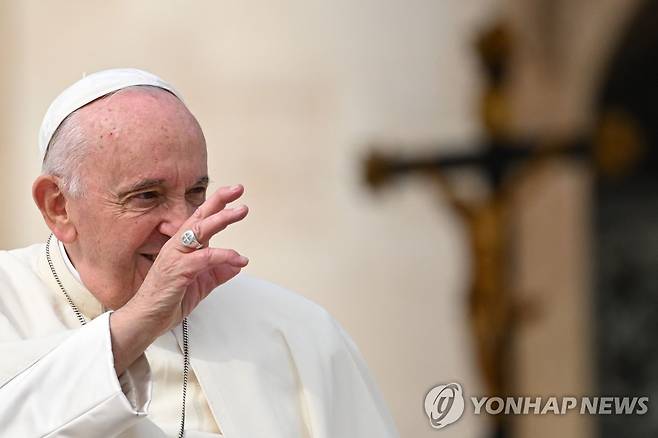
468,186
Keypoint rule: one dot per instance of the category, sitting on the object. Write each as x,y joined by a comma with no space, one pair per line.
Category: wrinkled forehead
141,134
137,117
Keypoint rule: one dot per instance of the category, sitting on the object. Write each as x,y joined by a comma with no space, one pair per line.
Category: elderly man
127,323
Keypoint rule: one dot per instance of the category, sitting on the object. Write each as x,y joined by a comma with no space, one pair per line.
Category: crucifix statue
494,311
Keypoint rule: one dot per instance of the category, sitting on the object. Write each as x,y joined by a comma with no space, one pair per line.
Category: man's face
146,173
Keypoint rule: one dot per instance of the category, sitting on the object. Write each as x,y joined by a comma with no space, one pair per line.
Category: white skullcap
88,89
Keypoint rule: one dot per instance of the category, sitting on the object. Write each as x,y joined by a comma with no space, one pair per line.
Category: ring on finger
189,240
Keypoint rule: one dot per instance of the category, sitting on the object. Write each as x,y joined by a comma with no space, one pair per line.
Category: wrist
131,335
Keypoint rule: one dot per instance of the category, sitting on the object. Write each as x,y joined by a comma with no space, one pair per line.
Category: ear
53,204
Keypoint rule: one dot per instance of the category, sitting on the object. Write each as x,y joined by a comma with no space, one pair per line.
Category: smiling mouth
149,257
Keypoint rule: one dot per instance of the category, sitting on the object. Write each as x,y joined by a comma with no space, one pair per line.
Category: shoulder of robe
250,301
17,266
21,257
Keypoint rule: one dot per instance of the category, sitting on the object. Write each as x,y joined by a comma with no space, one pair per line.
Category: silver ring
188,239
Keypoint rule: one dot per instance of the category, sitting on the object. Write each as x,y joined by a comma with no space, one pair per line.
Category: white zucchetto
88,89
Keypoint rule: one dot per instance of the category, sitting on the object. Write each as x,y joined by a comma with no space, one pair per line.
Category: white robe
270,364
166,363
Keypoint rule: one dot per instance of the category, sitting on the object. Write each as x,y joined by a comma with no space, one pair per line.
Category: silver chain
186,370
83,321
77,312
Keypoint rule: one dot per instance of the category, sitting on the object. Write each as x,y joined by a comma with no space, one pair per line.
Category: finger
205,258
220,275
209,281
217,201
215,223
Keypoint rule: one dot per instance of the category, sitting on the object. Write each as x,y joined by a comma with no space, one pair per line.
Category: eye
145,199
197,195
147,195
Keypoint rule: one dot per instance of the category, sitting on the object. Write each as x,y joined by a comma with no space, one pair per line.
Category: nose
175,214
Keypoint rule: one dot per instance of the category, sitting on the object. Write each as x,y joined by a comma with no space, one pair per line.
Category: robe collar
85,301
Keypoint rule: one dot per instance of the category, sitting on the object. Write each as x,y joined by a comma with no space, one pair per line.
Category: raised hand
180,278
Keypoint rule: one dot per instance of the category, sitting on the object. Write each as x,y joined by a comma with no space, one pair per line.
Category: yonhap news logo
445,404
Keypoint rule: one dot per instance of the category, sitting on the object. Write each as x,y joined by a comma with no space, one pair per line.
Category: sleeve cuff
74,389
136,385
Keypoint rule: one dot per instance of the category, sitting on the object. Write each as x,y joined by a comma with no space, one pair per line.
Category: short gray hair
66,152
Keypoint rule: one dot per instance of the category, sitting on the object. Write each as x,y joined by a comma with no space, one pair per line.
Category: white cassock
266,363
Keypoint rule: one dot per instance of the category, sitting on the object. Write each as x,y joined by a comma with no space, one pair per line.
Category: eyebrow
203,180
154,182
